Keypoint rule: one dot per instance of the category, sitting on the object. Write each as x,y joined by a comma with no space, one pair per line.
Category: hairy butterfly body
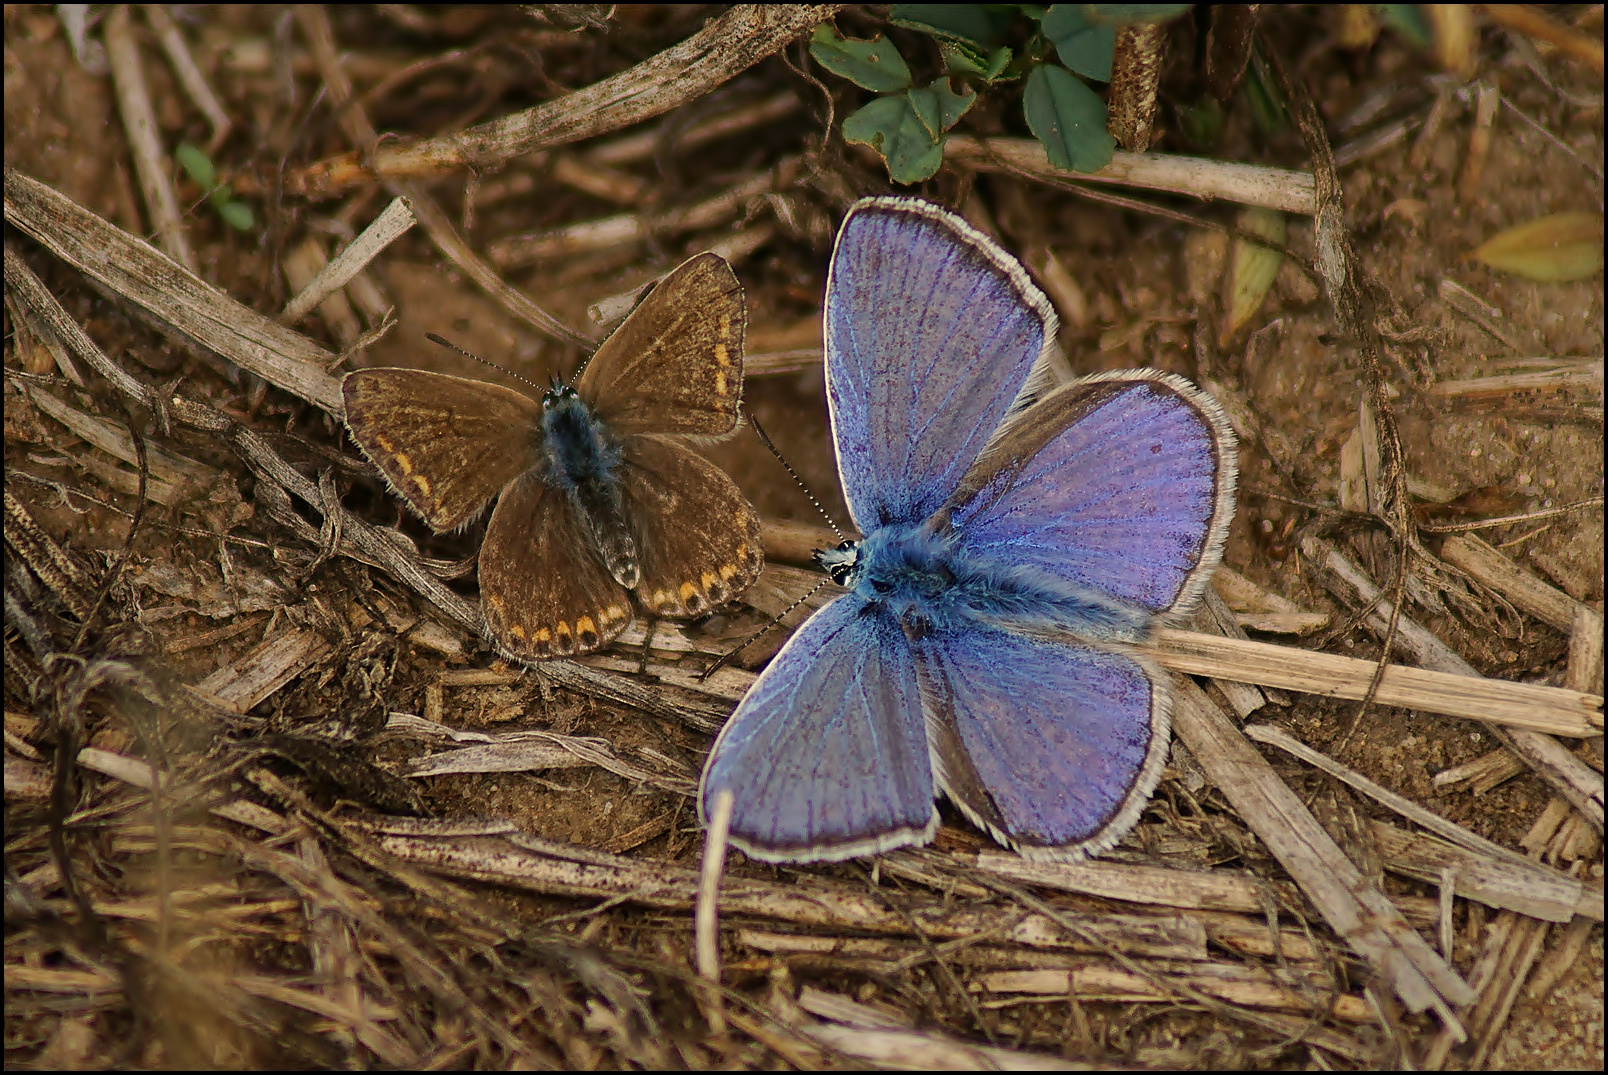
1017,537
599,496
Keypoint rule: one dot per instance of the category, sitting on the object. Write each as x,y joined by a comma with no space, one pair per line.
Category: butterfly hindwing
446,445
676,364
826,756
1053,747
544,590
1121,483
698,538
930,332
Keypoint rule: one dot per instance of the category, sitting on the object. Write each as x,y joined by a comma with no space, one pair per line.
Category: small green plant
908,125
198,166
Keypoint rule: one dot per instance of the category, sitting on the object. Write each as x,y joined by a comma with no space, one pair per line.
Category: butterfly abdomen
582,462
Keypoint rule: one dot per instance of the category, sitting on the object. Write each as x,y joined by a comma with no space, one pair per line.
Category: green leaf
873,65
964,58
956,22
1128,14
220,196
1083,46
938,107
1069,118
197,165
1267,106
954,105
237,215
1408,21
1552,249
1253,268
890,126
924,103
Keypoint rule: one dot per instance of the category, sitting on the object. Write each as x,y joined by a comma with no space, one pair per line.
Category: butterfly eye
882,585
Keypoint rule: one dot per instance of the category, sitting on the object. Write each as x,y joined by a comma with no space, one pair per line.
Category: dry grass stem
1492,568
385,229
135,271
139,124
1574,387
863,1032
1531,22
452,245
1525,886
1248,184
597,235
1558,962
1480,312
1566,773
635,148
1483,773
1356,910
1520,705
354,120
725,47
262,671
1217,890
302,265
1487,100
172,477
189,74
1264,733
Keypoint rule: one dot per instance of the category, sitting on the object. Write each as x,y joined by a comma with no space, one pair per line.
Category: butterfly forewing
698,538
543,589
826,756
446,445
1122,483
931,330
676,364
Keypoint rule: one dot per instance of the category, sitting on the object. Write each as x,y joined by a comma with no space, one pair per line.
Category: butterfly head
840,563
902,568
558,394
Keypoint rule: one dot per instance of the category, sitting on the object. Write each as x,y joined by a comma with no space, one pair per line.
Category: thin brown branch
725,47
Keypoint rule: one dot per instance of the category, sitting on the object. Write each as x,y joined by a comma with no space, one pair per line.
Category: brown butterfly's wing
697,536
446,445
543,589
676,364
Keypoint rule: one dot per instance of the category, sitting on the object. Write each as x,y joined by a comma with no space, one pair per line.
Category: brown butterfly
598,495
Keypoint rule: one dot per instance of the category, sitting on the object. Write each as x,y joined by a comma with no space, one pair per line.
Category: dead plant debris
271,802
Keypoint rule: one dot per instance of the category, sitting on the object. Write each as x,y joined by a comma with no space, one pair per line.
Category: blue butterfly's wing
1054,748
826,756
931,332
1122,484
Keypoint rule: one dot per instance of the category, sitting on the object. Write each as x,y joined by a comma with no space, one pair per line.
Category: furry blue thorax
929,581
580,452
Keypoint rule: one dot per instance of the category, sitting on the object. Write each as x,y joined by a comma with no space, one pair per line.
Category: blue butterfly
1017,536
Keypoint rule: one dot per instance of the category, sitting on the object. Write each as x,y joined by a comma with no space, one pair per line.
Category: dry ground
552,978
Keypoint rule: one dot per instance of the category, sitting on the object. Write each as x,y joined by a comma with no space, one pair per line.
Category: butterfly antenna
765,439
470,354
725,658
